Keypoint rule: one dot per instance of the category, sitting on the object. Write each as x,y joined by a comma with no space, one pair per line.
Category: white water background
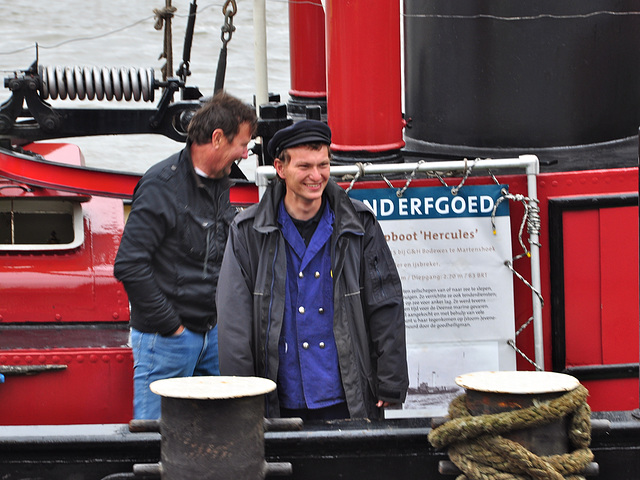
121,33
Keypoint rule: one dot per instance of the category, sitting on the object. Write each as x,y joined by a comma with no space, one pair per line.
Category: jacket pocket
197,234
384,281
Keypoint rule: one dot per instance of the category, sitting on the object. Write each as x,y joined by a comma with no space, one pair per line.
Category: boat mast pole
260,52
533,169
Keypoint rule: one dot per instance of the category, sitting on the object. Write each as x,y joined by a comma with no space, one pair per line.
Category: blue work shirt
308,373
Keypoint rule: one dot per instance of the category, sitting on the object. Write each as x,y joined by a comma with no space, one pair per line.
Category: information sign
458,293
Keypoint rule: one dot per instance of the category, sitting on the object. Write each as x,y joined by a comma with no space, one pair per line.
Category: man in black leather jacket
171,250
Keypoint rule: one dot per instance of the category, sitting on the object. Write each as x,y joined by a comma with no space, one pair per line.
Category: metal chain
524,325
410,178
512,344
509,265
401,191
495,180
467,172
359,174
229,9
386,180
439,177
531,218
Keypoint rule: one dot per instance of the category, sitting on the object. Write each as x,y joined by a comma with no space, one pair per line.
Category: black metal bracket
26,117
40,121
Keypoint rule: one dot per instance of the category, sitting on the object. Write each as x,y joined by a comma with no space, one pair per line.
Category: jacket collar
346,217
187,161
349,220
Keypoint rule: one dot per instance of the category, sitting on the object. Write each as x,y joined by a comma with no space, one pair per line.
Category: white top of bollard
518,382
212,388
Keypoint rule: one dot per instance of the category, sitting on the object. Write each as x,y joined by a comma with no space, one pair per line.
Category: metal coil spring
97,83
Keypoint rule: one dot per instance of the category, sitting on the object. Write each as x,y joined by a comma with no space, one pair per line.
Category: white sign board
458,293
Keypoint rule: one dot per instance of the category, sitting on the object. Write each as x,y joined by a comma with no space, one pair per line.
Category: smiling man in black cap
309,294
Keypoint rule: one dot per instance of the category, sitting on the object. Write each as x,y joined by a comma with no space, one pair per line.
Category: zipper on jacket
220,211
379,275
266,343
206,255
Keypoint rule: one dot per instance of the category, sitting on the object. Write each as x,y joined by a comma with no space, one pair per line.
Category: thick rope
478,449
163,17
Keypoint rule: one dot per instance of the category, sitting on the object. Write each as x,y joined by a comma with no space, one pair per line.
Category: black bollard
496,392
212,427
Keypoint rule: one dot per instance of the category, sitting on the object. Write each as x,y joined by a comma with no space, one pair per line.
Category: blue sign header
433,202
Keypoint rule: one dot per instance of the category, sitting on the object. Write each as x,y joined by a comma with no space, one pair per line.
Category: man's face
228,152
305,174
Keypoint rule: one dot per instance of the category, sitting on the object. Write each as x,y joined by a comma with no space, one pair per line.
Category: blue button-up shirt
309,373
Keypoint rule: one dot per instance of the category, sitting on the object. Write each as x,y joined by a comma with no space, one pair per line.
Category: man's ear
216,137
279,166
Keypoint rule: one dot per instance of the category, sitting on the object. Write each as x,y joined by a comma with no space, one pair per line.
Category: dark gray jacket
170,254
368,307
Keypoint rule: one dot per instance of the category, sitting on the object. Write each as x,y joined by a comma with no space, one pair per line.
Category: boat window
36,224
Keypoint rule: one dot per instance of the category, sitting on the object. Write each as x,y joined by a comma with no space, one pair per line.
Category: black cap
302,132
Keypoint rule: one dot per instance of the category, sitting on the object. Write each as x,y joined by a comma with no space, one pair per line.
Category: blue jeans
156,357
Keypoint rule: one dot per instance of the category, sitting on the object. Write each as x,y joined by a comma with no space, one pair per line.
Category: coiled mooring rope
478,449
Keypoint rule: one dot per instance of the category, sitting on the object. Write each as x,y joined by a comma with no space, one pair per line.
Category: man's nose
315,172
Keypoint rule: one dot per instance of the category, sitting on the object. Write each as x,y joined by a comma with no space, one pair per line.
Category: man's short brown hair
222,111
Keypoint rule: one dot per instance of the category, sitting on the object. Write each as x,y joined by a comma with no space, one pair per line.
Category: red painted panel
66,174
244,194
69,286
96,387
581,234
66,153
614,394
49,174
566,184
619,257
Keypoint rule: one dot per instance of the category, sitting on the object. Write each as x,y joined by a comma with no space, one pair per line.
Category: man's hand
383,404
178,331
